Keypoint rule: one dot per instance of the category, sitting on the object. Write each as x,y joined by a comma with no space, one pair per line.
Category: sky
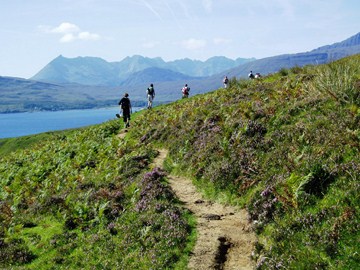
34,32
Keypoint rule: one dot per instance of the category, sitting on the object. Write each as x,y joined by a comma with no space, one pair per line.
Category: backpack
125,103
150,91
185,90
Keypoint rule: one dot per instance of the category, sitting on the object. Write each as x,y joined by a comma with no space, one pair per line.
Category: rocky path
224,238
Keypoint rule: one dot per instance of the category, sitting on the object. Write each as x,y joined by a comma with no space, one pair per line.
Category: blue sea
21,124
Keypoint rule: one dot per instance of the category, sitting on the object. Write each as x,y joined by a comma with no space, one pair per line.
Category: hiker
185,91
125,106
251,75
257,75
150,95
225,81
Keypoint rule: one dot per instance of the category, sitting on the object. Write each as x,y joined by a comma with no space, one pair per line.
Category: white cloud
70,32
221,41
65,28
194,44
67,38
88,36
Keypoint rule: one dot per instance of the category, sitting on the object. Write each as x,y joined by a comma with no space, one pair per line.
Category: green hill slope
286,147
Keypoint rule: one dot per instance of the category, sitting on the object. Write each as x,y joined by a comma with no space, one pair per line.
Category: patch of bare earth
224,236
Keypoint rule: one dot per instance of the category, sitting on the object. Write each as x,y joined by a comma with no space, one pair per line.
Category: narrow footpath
224,237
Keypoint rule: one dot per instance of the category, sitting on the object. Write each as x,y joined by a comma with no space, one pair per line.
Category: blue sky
34,32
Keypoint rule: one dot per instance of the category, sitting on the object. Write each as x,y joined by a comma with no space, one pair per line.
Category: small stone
212,217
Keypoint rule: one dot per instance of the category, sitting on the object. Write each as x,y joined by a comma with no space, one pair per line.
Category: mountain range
134,70
87,82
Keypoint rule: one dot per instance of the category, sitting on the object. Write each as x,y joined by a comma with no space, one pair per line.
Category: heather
285,147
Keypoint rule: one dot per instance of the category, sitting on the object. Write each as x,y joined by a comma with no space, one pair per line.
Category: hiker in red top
185,91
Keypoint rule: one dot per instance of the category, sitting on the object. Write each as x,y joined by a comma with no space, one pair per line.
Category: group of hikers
251,76
125,103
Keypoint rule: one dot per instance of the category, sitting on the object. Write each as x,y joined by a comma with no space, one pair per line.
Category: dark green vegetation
286,147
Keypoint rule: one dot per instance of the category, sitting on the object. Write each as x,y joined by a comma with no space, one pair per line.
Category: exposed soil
224,237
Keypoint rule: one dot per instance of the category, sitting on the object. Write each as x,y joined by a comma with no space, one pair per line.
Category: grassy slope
9,145
286,147
85,199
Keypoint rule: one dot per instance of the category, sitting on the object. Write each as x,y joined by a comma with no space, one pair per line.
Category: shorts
126,115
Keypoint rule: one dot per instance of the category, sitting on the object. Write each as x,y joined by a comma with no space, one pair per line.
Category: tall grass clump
340,81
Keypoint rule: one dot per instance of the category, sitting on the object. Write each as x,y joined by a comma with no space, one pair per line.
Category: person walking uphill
125,106
151,95
225,81
185,91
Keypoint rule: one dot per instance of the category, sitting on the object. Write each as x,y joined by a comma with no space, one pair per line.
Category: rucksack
185,90
125,103
150,91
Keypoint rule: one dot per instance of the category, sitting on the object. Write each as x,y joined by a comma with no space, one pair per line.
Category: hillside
21,95
285,148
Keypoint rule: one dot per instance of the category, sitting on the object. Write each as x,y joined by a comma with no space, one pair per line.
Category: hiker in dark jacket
251,75
125,106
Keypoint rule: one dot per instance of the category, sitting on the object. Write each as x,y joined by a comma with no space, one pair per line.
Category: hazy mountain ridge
80,70
155,74
317,56
93,82
97,71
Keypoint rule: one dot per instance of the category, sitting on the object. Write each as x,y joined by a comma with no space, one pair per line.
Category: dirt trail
224,238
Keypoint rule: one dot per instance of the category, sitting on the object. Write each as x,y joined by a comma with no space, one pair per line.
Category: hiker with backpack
185,91
257,75
225,81
125,106
150,95
251,75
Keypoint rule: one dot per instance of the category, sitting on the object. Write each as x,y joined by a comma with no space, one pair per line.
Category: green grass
9,145
282,146
285,147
